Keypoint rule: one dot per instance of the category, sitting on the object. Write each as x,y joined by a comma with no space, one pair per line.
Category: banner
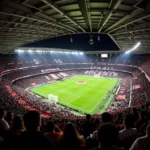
33,83
120,97
63,74
135,87
54,76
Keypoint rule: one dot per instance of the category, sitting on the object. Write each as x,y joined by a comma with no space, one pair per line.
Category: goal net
52,98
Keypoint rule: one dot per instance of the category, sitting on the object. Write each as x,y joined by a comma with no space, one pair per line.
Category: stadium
74,74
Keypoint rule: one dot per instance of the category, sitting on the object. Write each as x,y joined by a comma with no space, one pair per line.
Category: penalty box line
65,92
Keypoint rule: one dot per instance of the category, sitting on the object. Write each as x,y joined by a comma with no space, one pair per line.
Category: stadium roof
27,21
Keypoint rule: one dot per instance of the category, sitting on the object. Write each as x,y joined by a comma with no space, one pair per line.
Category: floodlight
20,50
71,39
127,52
98,38
30,51
38,51
135,47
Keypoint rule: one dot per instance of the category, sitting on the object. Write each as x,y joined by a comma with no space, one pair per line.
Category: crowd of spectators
20,85
44,105
124,90
22,128
124,130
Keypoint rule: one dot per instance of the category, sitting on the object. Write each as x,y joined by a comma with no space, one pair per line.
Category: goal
52,98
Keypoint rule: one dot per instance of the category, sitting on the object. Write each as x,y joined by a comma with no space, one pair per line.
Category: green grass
83,97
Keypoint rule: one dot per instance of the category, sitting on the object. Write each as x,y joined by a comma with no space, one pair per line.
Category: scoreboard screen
104,55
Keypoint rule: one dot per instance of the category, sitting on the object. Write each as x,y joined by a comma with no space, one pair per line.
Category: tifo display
86,98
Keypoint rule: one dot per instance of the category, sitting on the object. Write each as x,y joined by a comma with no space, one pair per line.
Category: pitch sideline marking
101,98
98,102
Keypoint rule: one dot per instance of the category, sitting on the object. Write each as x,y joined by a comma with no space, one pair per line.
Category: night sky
80,42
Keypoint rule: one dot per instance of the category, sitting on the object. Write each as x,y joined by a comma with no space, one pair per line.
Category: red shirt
55,136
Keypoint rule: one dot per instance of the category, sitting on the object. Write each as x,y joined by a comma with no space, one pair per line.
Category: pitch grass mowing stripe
83,97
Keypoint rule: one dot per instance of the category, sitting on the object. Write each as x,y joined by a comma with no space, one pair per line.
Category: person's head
88,117
134,110
142,114
17,123
50,126
9,116
148,130
63,121
2,113
149,109
32,120
128,121
70,132
106,117
107,134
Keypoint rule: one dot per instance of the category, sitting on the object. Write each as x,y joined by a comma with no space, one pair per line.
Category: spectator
128,130
2,143
14,132
62,124
87,126
17,125
33,138
135,114
71,140
142,143
143,119
105,117
55,136
9,118
3,123
108,136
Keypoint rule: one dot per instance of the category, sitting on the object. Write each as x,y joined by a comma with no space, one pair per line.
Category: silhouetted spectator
87,126
128,130
142,143
3,122
14,132
143,119
9,118
108,136
55,136
2,143
17,125
105,117
71,140
33,138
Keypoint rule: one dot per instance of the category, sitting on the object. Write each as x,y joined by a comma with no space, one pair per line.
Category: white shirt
94,135
127,133
142,143
4,124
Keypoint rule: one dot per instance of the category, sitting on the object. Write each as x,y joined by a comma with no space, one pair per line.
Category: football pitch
82,93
